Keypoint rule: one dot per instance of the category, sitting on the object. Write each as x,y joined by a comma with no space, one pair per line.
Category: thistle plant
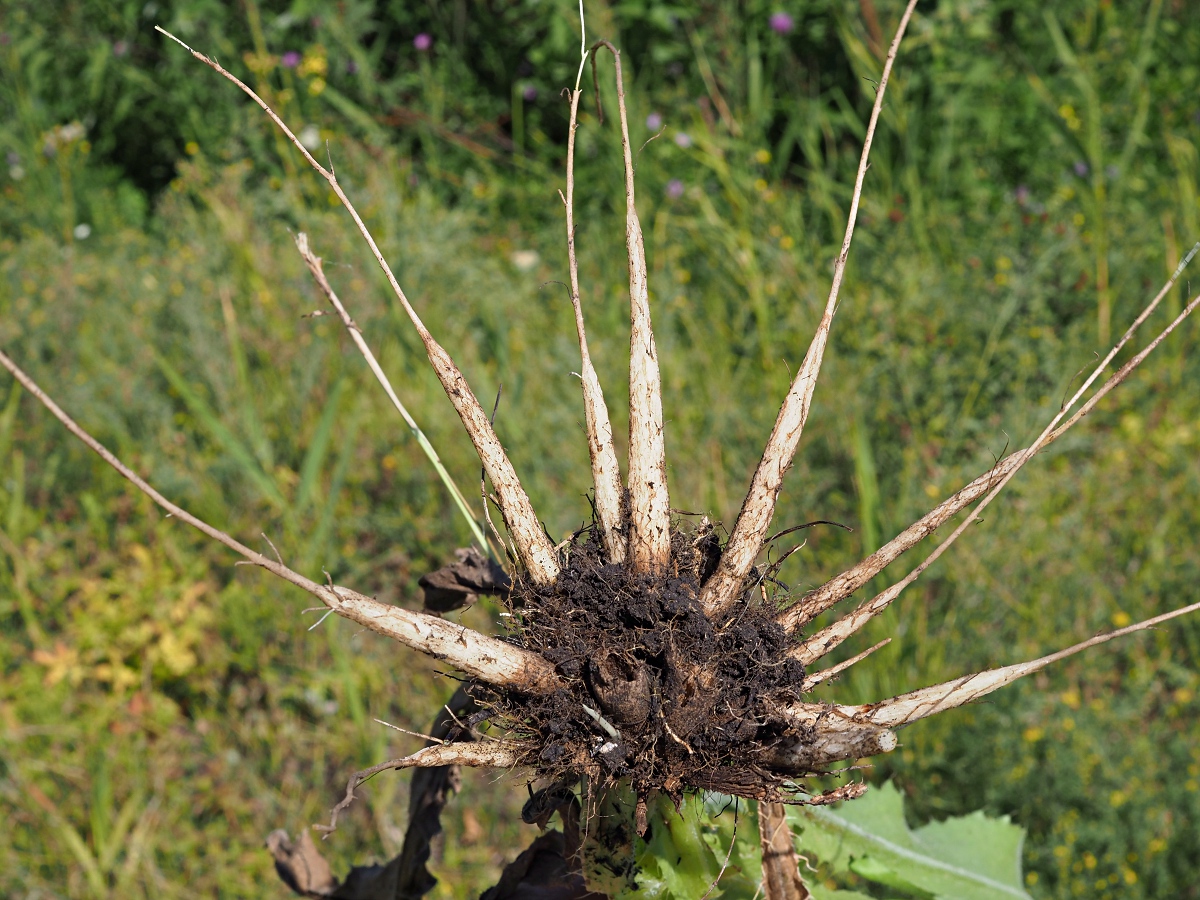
645,658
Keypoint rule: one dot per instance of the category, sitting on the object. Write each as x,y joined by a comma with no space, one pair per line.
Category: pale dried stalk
830,746
480,656
780,865
811,681
921,704
318,273
482,754
843,585
832,635
534,548
606,473
727,583
649,502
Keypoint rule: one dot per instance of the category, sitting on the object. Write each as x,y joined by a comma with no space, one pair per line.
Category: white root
534,548
606,473
727,583
480,656
920,704
649,502
831,636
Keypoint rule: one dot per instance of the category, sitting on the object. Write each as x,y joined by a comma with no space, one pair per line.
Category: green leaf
971,857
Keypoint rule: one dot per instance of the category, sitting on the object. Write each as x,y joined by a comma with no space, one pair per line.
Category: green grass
162,710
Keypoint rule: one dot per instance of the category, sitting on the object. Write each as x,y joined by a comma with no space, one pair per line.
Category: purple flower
1022,194
674,188
683,139
654,121
423,41
781,22
351,67
529,93
120,48
1081,168
290,60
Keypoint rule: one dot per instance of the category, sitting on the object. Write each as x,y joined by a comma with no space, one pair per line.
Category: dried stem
649,503
920,704
843,585
827,638
535,549
480,656
812,680
318,273
497,755
727,583
780,865
853,741
606,473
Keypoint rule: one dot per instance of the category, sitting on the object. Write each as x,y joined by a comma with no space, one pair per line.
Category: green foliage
971,857
710,847
150,736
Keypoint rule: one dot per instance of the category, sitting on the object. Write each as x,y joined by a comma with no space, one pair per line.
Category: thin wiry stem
480,656
921,704
606,473
727,583
649,502
829,637
843,585
535,549
318,273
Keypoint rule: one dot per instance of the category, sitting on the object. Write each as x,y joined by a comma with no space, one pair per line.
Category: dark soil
683,694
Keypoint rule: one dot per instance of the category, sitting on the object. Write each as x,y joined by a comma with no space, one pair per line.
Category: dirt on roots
654,691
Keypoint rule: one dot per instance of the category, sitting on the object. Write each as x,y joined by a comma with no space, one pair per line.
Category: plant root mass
653,691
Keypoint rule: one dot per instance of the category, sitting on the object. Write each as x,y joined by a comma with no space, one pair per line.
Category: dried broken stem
606,473
318,273
920,704
649,502
815,678
843,585
829,637
728,582
534,548
480,656
498,755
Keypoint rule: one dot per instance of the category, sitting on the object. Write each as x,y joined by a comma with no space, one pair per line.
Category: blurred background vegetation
1034,181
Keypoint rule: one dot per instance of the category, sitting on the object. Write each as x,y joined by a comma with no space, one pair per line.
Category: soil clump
654,691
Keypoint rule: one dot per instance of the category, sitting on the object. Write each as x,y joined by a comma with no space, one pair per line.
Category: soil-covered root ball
653,691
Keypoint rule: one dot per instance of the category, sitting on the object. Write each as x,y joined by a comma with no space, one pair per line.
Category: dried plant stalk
649,501
480,656
780,865
816,646
843,585
920,704
606,474
746,540
535,549
318,273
